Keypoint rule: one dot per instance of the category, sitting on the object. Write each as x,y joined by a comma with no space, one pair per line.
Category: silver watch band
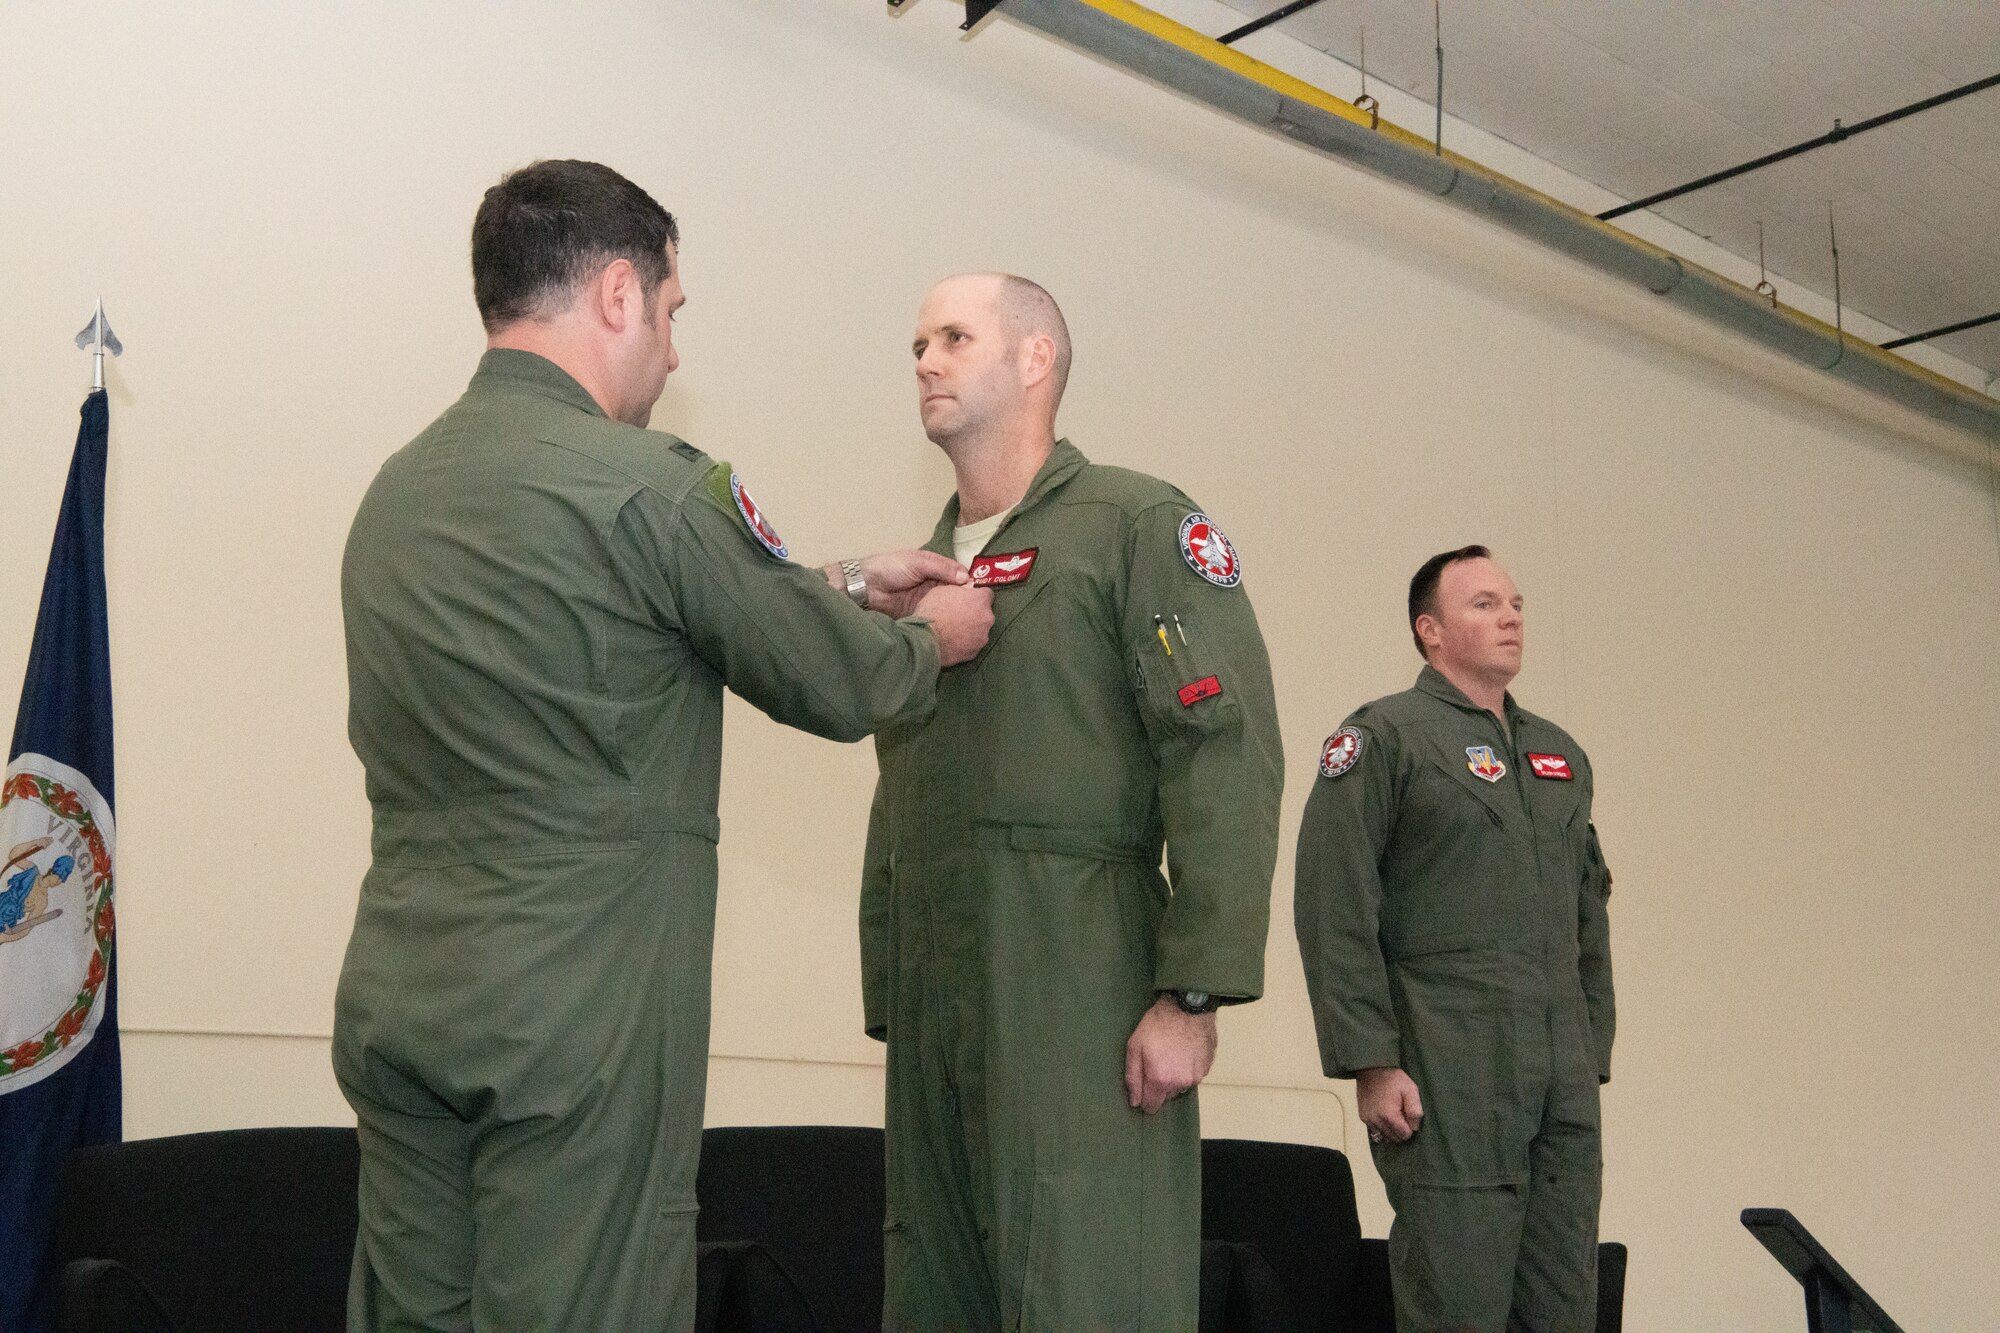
857,583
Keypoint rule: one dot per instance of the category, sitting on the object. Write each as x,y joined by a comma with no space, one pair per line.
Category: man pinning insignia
543,603
1451,911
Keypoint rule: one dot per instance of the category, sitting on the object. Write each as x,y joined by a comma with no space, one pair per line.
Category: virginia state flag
59,1075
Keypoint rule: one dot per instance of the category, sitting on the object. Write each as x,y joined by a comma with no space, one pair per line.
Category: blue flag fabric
59,1071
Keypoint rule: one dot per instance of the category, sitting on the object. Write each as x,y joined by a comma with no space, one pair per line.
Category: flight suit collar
1064,461
1432,682
537,374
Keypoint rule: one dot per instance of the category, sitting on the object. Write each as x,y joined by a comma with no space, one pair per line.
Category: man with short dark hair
543,603
1450,906
1048,1000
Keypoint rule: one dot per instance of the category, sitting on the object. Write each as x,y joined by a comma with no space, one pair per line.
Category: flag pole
97,338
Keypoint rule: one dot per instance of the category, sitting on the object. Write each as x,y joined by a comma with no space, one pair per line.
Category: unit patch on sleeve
998,571
753,517
1341,752
1208,552
1205,688
1550,766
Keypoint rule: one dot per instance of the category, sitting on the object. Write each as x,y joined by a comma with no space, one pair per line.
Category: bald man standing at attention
1047,999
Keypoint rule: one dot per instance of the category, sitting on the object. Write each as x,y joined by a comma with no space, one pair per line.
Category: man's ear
1430,631
1038,359
616,294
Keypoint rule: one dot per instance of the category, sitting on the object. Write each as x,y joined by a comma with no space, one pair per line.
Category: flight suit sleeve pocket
1184,691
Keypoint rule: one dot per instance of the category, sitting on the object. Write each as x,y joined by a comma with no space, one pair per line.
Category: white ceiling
1637,96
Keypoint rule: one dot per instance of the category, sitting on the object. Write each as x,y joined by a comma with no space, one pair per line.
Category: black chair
253,1229
812,1196
245,1229
1240,1292
1294,1204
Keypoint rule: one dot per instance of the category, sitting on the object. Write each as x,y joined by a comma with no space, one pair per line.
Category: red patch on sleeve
1205,688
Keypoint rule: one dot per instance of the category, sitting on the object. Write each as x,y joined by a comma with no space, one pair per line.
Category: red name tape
997,571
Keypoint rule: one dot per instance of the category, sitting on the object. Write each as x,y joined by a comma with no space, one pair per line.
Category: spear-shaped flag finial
97,338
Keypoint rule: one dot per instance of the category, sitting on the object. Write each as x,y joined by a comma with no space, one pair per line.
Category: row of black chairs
254,1229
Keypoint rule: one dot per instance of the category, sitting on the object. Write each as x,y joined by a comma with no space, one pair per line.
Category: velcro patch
753,517
1550,766
1341,752
1205,688
998,571
1208,552
1484,764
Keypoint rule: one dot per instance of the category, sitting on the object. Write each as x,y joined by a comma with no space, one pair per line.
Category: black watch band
1194,1001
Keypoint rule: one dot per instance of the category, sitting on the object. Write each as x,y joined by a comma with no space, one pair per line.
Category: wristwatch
1194,1001
857,583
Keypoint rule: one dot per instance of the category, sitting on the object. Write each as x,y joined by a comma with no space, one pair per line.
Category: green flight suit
1450,907
1015,925
543,607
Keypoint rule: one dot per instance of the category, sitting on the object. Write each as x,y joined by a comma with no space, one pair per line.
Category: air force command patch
1483,763
1208,552
753,518
1341,752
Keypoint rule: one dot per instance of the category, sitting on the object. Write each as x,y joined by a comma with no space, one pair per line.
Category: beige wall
1767,604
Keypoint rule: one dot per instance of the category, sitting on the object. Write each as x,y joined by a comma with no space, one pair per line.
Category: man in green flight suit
1048,1003
543,604
1451,913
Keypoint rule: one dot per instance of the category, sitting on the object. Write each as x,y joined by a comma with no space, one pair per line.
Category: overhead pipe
1173,55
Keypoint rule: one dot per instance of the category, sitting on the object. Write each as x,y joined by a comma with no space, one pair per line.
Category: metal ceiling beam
1959,327
1832,136
1155,47
1258,24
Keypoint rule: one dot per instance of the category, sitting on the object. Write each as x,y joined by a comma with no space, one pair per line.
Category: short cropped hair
1029,309
1424,586
549,227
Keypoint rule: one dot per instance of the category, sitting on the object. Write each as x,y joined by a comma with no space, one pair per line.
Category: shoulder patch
753,518
1208,552
1341,752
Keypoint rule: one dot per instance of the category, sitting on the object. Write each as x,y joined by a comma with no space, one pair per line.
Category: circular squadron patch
1208,552
760,527
1341,752
55,917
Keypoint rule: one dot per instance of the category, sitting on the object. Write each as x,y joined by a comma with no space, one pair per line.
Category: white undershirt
970,540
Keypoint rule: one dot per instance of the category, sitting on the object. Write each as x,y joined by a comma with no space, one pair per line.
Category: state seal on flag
55,917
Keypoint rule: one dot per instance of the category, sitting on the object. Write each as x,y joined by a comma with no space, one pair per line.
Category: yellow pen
1160,628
